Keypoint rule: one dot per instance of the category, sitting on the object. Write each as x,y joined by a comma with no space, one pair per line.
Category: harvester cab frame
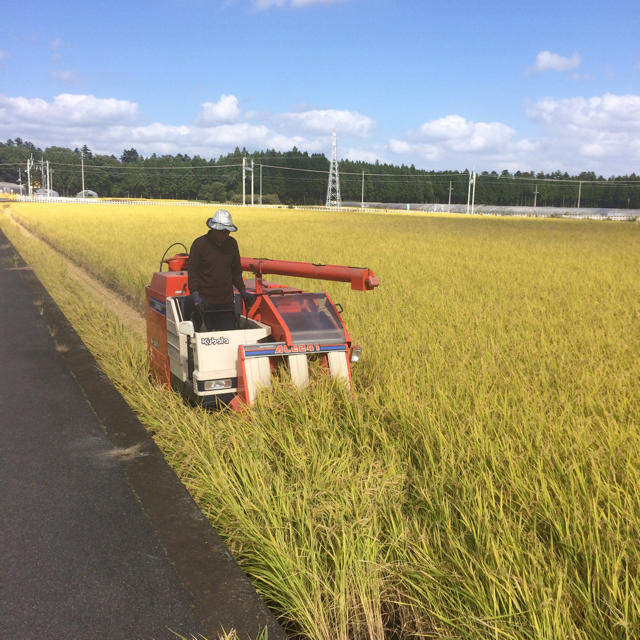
285,326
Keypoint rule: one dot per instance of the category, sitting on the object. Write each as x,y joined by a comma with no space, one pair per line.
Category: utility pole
244,179
261,184
472,181
362,196
29,165
473,198
579,192
82,169
333,186
450,190
535,196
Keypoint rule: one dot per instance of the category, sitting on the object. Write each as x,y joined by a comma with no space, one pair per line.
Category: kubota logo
214,341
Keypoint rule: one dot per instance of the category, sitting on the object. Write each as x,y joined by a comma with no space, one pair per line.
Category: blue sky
493,85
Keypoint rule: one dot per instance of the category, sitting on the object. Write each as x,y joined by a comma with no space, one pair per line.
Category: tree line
297,177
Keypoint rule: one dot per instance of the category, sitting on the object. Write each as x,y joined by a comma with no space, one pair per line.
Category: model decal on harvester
296,348
284,326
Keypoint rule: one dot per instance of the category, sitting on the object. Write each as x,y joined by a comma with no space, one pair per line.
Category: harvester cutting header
215,361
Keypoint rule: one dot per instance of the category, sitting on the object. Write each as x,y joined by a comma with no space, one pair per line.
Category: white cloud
600,133
547,61
608,112
399,146
155,132
225,110
65,75
204,141
415,150
605,128
359,155
454,142
593,150
321,122
66,109
110,125
526,145
244,134
459,134
55,44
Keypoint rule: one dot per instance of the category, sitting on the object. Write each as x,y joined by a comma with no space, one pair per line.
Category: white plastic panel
299,369
339,365
258,376
176,342
215,351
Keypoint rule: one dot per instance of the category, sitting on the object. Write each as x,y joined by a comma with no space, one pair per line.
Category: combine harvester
285,326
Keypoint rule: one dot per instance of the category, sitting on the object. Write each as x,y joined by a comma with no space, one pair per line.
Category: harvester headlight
356,353
214,385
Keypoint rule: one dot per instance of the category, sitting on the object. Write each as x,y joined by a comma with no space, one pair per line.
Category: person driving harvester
214,269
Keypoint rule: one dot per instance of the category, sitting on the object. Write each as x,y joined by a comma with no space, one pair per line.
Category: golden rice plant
481,482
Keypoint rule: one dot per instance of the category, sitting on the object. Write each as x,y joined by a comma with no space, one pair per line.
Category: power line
271,166
359,173
395,177
608,182
150,168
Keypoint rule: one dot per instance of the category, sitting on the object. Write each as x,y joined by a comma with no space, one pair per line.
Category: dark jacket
214,269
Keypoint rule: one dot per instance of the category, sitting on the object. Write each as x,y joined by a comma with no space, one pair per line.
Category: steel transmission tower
333,188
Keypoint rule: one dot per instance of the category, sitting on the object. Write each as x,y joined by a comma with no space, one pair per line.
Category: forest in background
297,177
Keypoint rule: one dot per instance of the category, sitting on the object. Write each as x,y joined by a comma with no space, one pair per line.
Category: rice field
483,480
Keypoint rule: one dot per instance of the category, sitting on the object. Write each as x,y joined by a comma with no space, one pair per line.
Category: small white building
10,187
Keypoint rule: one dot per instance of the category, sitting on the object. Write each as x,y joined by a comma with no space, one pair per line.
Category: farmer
214,269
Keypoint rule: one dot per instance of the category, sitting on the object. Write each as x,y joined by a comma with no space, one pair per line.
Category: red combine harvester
285,326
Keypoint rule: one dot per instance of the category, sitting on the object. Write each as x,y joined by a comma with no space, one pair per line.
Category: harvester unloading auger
285,325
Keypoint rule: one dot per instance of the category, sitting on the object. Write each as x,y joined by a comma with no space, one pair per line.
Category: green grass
481,483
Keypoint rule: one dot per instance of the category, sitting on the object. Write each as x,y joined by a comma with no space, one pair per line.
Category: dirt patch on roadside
129,316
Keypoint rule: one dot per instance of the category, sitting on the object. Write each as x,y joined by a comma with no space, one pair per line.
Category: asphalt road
93,545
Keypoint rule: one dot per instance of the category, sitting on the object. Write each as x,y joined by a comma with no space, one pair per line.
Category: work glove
248,299
197,300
